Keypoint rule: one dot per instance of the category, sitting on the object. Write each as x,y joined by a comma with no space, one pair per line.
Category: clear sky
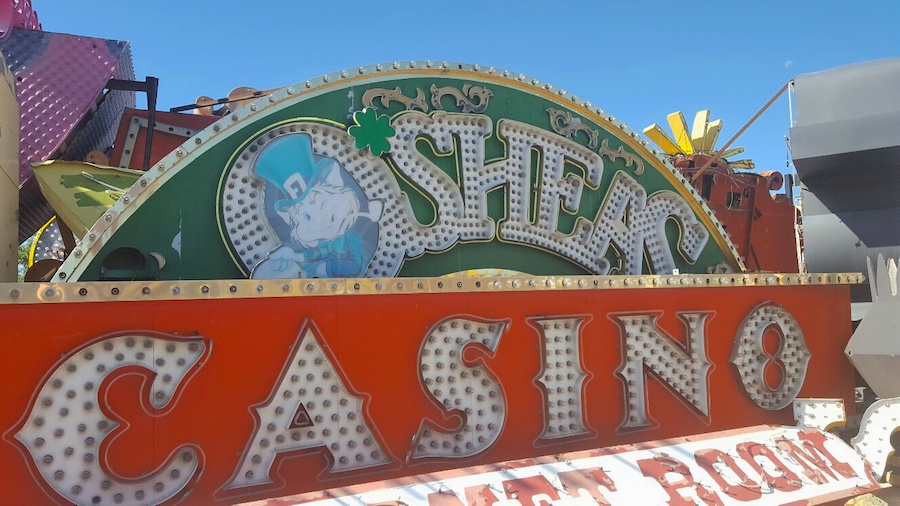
638,60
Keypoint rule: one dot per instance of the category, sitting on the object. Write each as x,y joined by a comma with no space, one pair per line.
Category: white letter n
683,368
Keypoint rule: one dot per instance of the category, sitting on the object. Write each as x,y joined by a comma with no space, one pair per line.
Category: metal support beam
150,86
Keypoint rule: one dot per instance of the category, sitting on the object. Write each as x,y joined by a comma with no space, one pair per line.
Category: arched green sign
417,169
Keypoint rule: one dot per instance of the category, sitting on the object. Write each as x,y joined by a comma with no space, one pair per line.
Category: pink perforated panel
57,90
60,79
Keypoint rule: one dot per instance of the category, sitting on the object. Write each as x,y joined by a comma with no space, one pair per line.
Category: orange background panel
375,341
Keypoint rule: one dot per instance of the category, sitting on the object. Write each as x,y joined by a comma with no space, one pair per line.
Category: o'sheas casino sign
423,170
223,389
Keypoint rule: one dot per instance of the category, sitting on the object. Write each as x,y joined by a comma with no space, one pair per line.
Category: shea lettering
302,201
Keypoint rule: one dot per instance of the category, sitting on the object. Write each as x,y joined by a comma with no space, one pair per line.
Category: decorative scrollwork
565,124
387,96
630,158
463,97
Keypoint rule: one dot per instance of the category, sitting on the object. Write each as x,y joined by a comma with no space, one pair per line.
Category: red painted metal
164,140
375,342
762,226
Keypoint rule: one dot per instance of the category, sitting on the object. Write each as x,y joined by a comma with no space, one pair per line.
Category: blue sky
638,60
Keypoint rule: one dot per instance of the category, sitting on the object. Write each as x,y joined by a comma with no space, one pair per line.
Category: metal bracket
149,86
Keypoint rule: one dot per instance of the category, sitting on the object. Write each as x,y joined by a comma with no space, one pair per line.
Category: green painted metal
183,221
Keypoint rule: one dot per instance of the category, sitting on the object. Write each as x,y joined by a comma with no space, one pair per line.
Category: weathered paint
226,392
756,465
494,171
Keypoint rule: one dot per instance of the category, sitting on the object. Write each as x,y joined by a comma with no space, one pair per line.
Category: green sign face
410,172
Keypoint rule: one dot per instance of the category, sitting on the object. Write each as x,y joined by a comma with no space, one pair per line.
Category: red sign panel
232,399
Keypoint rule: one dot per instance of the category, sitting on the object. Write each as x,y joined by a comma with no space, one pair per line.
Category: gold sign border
33,293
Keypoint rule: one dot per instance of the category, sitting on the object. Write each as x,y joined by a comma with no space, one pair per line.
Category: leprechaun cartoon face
327,226
328,209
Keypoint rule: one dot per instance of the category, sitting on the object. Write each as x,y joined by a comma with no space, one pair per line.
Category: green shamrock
371,130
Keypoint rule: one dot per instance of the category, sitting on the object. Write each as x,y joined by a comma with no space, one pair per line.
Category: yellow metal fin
733,151
698,132
746,164
712,135
680,129
656,134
